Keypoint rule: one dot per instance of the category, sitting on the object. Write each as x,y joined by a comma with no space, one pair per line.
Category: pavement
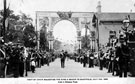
72,69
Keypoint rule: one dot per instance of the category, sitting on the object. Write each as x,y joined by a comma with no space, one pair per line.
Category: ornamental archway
48,19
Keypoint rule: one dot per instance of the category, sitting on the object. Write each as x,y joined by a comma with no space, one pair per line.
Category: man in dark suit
15,61
101,59
84,60
123,54
62,55
91,59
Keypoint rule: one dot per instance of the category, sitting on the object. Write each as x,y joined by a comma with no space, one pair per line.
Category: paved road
72,69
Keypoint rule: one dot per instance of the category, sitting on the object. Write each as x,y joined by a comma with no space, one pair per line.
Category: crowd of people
118,59
16,60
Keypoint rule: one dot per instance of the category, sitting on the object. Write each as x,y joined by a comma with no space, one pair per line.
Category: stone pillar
38,31
79,42
49,45
80,45
52,44
90,44
38,40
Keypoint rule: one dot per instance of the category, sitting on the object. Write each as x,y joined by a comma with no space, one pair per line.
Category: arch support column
50,38
38,40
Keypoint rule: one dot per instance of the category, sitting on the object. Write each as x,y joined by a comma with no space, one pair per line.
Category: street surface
72,69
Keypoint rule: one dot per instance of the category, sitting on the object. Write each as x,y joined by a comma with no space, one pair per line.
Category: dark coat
123,53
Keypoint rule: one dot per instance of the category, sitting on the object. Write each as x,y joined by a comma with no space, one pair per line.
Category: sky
65,33
30,6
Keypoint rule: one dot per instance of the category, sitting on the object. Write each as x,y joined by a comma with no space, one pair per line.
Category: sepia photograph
67,41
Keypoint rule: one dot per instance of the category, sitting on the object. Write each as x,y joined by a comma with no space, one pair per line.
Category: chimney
99,7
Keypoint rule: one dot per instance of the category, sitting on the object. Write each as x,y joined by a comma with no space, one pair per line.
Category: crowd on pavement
16,60
118,58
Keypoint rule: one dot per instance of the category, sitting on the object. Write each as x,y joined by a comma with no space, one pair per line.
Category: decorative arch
48,19
55,20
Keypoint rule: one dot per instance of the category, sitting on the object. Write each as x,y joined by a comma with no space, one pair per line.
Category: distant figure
111,57
62,56
84,60
91,60
33,65
21,65
101,59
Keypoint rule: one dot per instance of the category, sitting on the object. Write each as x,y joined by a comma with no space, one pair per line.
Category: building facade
106,22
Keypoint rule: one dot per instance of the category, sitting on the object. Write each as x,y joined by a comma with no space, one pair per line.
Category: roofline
116,12
64,11
115,21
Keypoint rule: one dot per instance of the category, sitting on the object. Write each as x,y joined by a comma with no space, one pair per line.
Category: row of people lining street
16,60
115,59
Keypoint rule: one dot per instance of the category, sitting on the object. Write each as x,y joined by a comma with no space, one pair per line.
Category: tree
43,40
12,20
20,28
44,22
57,44
29,36
85,42
25,19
